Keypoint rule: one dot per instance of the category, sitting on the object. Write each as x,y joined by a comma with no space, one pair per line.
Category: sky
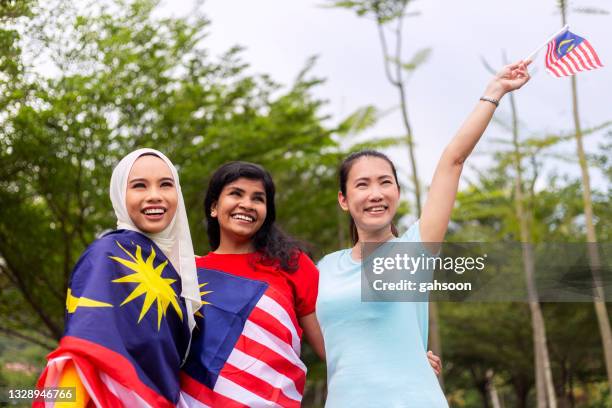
279,36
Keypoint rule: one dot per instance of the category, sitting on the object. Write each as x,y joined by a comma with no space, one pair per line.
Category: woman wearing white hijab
131,297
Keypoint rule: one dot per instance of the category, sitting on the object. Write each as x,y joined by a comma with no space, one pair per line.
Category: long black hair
345,169
273,245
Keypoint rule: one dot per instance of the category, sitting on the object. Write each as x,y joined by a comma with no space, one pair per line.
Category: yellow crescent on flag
562,43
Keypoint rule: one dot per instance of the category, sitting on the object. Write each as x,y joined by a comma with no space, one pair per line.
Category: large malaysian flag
246,347
119,347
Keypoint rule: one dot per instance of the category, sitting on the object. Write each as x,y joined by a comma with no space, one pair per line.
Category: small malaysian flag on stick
568,54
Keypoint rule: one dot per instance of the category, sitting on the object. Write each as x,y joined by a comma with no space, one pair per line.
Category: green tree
127,80
604,163
545,391
591,236
482,337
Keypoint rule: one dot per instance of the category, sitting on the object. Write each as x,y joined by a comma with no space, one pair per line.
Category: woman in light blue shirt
376,351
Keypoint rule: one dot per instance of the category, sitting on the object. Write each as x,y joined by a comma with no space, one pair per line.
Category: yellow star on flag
150,283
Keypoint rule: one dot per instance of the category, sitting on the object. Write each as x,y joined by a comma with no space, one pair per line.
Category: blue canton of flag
227,303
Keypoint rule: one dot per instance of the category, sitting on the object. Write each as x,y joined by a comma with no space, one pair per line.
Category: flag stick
564,29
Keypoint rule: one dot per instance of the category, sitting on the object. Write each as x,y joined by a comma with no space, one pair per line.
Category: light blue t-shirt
376,351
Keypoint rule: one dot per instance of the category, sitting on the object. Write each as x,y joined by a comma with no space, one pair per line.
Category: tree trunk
594,260
410,141
593,251
545,390
521,386
492,390
481,384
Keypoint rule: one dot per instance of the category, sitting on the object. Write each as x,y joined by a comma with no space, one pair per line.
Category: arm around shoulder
306,303
313,334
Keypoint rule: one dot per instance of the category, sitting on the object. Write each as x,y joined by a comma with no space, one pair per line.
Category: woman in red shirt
259,291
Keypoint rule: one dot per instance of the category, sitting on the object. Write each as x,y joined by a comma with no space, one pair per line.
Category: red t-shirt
264,366
297,290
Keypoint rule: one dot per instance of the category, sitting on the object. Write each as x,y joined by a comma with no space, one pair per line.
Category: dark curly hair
273,245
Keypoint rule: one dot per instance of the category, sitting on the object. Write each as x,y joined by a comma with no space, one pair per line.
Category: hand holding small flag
508,79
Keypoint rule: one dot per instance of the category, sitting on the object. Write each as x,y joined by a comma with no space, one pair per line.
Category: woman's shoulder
332,259
101,244
202,260
123,237
109,242
305,260
99,255
305,267
412,234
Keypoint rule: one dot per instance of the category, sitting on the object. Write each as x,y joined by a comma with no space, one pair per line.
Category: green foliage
20,362
601,203
359,121
498,337
12,9
130,80
419,58
11,13
382,10
480,337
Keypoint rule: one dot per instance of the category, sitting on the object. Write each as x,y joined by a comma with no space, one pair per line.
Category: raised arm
443,190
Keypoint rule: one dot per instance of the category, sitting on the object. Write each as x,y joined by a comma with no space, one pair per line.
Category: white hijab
174,241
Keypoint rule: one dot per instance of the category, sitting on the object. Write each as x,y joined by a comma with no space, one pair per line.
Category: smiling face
372,194
151,197
240,210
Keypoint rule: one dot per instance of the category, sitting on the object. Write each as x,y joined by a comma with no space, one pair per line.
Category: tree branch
14,333
385,51
21,285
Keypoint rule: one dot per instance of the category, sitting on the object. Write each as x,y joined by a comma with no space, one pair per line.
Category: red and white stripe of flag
581,58
264,369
